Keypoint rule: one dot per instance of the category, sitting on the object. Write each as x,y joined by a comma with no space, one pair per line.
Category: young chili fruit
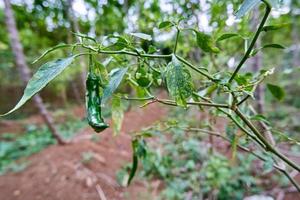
93,102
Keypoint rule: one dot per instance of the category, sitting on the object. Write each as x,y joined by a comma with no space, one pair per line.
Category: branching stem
251,46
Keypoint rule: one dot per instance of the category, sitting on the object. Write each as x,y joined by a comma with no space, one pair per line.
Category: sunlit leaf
246,6
205,42
116,76
275,46
103,72
165,24
179,81
142,36
117,113
273,27
41,78
227,36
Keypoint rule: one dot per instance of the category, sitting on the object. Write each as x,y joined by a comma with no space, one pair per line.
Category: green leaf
273,27
120,43
117,110
227,36
276,91
276,46
103,73
116,76
41,78
139,151
205,42
52,49
165,24
142,36
261,118
246,6
133,168
179,81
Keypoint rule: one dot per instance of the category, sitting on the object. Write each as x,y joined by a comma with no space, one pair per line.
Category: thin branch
216,134
268,10
173,103
268,146
196,69
176,40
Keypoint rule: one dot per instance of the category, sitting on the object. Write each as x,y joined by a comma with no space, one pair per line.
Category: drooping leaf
261,118
116,76
165,24
133,168
85,36
142,36
276,46
120,42
227,36
276,91
179,81
205,42
50,50
103,72
273,27
139,151
246,6
117,110
41,78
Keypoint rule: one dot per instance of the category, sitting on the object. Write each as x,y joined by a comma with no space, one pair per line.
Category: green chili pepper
93,103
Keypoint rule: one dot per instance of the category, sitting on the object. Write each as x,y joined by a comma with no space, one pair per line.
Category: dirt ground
58,172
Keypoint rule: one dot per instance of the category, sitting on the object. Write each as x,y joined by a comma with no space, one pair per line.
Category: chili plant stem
268,146
176,41
216,134
199,70
135,54
268,10
196,69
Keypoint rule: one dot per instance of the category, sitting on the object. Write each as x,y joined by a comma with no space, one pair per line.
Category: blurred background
33,164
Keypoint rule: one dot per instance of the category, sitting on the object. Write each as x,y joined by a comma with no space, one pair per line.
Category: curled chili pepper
93,103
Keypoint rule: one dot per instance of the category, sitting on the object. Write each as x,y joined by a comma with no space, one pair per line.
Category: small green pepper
93,103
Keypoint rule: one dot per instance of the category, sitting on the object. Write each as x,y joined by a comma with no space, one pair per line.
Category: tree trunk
24,70
256,65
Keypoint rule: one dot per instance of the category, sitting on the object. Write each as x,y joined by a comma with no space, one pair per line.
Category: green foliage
246,6
116,77
41,78
139,60
226,36
117,110
205,42
179,82
16,148
276,91
142,36
183,162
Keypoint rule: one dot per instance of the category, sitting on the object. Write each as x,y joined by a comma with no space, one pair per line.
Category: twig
100,192
268,10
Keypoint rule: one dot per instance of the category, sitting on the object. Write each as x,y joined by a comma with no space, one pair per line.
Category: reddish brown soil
59,173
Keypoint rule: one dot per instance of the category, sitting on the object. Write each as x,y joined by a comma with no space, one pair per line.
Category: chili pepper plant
145,70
